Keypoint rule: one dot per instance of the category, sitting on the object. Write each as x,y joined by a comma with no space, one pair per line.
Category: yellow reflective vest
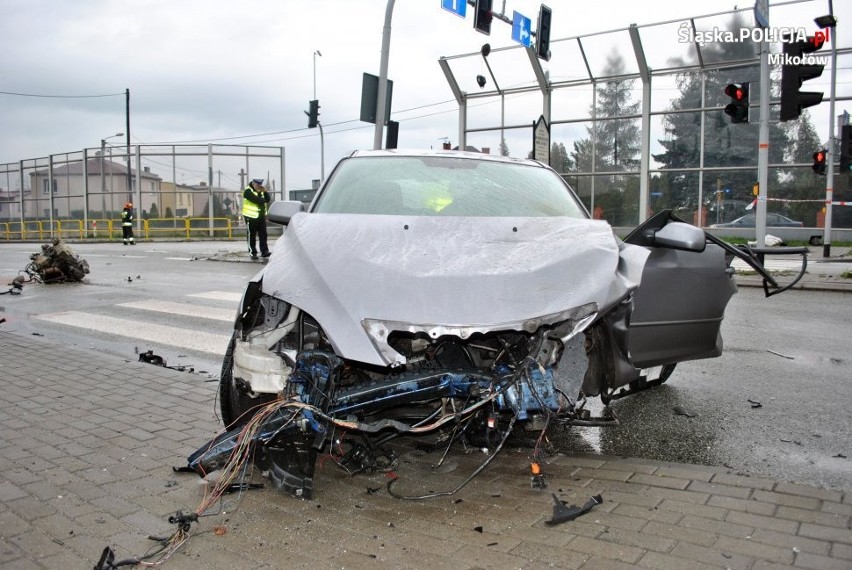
250,208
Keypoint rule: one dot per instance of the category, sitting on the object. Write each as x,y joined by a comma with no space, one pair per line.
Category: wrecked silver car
453,295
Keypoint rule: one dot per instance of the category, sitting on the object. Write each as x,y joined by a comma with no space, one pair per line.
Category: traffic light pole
763,147
381,104
829,159
322,152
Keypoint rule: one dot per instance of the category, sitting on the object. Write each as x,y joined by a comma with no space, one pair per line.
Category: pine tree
616,149
801,183
560,160
725,144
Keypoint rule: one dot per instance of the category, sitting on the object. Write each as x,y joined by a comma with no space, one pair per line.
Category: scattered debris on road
779,354
56,263
682,412
563,513
15,287
149,357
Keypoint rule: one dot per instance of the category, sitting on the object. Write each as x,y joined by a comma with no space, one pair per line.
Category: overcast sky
242,72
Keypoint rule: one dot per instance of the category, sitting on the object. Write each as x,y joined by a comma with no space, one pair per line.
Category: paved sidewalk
88,442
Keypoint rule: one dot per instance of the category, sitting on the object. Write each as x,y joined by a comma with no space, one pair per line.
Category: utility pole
763,148
129,179
830,23
381,104
242,174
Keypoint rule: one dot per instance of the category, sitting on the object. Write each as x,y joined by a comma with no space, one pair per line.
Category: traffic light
819,161
542,34
794,72
845,149
738,107
392,138
482,16
313,113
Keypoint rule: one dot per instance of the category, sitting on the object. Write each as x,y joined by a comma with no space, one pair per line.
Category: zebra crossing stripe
219,296
213,313
138,330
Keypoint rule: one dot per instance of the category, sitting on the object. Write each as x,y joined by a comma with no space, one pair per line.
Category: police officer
127,224
255,199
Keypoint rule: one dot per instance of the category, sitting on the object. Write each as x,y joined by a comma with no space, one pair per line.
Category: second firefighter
127,224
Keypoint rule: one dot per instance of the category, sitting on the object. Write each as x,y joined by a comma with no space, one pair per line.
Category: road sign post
541,140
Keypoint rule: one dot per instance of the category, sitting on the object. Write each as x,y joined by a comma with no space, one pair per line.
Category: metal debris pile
56,263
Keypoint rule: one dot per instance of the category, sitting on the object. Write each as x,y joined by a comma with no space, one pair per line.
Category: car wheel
235,401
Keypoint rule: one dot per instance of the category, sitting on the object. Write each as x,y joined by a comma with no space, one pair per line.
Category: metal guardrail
185,228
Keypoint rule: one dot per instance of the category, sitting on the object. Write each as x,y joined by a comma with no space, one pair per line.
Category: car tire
234,401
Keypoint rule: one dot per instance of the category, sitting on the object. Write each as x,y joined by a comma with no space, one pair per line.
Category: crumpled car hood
491,273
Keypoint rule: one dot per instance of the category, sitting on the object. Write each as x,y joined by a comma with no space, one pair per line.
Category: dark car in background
772,221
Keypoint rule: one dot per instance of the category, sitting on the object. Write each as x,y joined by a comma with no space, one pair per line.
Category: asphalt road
775,404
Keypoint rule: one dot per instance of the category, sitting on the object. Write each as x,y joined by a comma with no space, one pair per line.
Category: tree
153,211
560,160
616,148
504,148
219,210
802,183
725,144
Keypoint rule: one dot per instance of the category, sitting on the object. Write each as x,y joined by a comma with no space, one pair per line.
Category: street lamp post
316,53
103,179
322,136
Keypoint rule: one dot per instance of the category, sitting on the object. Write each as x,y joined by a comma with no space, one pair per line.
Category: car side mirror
679,235
281,212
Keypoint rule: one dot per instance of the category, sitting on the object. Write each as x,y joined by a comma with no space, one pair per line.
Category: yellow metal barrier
32,227
221,227
68,229
165,227
102,228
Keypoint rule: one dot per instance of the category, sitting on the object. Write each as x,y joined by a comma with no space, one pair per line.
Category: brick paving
88,441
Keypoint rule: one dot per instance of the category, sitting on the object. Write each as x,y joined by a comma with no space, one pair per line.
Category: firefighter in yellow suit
127,224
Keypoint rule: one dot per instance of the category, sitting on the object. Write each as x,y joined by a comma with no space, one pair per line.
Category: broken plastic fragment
682,412
538,482
562,514
151,358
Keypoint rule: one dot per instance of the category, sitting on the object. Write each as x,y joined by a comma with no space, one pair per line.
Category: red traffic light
735,91
738,108
819,161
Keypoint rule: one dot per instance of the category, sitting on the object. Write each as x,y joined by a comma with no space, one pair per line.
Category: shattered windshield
446,186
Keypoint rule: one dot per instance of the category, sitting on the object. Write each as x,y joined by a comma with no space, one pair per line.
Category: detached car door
679,306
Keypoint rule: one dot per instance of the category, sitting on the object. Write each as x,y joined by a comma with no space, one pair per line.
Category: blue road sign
521,29
457,7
